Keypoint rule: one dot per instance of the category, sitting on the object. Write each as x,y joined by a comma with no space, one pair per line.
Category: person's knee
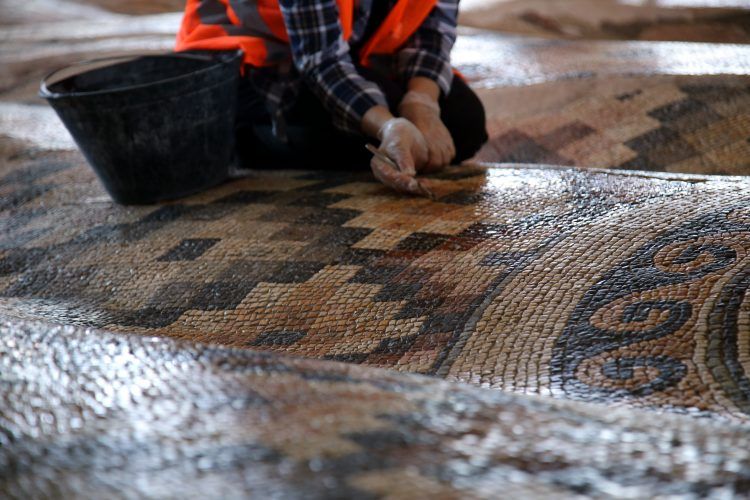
464,116
474,134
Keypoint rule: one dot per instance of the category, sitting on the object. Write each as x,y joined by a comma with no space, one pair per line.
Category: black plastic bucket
152,127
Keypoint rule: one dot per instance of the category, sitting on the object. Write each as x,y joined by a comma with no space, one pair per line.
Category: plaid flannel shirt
322,60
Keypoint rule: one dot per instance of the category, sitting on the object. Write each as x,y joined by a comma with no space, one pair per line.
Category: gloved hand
402,142
424,113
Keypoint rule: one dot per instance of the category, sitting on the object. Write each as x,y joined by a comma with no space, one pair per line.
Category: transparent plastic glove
403,143
424,113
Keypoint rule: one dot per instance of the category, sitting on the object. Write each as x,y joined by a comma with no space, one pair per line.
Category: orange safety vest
257,28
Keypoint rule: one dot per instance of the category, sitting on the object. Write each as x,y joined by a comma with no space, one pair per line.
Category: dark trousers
313,142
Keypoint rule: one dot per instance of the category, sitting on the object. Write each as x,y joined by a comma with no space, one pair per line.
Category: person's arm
427,54
425,63
321,55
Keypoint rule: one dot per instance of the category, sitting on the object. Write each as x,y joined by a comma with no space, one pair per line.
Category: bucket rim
46,93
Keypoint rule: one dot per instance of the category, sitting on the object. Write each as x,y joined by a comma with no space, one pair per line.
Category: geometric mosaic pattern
666,124
523,280
629,290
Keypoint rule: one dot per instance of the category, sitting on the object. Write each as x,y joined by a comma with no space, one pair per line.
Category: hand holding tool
424,112
413,185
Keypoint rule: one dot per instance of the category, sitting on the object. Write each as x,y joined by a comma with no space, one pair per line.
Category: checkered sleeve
321,55
428,51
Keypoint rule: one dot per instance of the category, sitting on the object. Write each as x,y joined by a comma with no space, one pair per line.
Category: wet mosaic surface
623,289
494,60
89,414
551,281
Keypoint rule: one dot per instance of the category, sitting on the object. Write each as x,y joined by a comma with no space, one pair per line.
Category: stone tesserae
568,316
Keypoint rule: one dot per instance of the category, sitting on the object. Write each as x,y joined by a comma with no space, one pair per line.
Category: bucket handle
44,91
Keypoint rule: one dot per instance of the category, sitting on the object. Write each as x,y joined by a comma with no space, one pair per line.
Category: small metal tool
372,149
423,190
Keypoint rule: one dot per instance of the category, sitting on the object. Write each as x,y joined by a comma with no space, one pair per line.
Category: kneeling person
322,77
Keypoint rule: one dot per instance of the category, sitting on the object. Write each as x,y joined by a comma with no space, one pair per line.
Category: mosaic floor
475,286
94,415
689,20
552,329
672,124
